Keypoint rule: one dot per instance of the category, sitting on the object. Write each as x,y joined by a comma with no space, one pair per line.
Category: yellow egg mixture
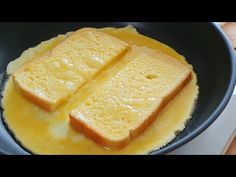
50,133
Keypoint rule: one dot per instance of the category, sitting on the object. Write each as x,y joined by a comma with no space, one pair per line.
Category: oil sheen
50,133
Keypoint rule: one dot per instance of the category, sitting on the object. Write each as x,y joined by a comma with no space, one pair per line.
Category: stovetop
216,138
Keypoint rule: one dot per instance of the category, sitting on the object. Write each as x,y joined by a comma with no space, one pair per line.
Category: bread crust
97,136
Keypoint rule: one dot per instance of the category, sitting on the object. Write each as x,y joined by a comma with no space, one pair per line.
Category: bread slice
129,102
50,79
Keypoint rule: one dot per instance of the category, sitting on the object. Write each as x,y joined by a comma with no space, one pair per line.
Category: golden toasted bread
50,79
129,102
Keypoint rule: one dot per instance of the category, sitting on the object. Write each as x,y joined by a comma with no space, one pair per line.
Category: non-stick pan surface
203,45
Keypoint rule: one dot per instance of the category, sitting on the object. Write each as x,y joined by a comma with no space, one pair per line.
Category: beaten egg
43,132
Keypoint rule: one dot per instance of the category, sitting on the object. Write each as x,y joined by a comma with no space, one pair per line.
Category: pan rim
220,108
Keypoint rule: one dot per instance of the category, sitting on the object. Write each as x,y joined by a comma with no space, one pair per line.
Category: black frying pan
203,45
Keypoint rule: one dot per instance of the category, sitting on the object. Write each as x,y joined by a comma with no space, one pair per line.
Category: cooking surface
33,126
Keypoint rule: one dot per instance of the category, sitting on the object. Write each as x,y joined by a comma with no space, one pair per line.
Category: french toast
50,79
129,102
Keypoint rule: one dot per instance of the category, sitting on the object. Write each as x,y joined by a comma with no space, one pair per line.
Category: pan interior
198,42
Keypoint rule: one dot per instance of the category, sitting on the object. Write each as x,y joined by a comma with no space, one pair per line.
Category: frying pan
203,44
